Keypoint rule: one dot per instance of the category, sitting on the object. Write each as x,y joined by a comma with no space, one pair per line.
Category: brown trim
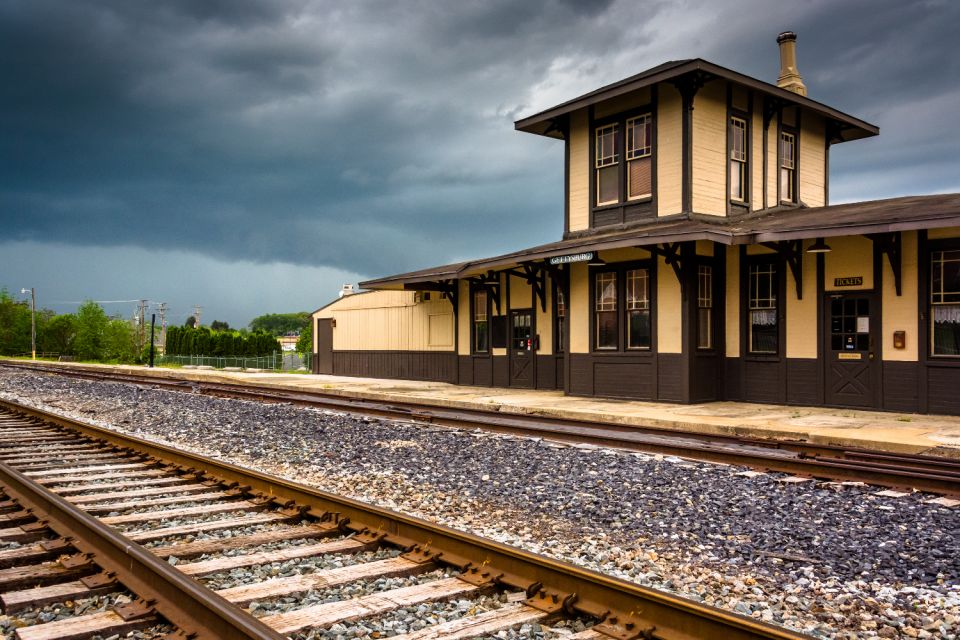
923,324
826,169
671,71
566,181
821,378
795,132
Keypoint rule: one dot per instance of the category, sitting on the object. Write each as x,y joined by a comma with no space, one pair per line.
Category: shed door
324,345
851,362
521,348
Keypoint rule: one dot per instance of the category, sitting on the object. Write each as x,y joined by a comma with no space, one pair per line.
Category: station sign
586,256
852,281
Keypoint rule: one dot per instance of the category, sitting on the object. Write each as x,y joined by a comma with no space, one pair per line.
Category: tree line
88,334
201,341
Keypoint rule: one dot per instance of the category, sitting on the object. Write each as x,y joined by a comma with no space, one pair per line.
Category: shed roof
854,218
849,127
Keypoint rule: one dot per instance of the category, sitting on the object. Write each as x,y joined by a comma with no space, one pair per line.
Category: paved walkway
905,433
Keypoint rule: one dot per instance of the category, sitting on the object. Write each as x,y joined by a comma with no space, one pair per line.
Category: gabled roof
855,218
849,127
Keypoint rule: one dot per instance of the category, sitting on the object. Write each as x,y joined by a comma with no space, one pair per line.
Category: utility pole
196,315
33,320
162,310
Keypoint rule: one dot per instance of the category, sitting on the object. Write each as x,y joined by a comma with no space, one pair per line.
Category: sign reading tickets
573,257
852,281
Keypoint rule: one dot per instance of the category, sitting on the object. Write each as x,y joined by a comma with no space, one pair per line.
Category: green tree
279,324
119,341
305,341
191,322
219,325
91,331
59,334
14,325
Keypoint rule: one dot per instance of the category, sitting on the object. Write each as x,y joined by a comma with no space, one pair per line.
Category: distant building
288,342
701,260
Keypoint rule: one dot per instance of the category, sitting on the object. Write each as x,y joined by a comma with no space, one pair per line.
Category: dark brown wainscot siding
434,366
731,379
670,383
763,381
900,384
613,376
943,387
581,374
549,372
501,371
476,371
803,380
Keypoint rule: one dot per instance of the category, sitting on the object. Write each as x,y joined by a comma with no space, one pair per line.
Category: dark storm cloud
375,137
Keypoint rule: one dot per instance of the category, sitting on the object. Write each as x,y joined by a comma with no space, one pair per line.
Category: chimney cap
786,36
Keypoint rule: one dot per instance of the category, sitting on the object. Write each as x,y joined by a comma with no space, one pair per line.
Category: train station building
701,260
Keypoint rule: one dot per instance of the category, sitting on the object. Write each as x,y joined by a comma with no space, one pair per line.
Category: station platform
882,431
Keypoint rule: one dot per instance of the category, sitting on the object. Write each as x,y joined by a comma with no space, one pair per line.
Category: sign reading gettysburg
573,257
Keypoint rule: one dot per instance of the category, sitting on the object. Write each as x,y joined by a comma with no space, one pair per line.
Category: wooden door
324,345
850,334
522,357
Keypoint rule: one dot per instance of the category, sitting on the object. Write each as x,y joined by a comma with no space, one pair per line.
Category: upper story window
639,157
788,167
945,303
764,326
738,159
481,323
608,164
623,160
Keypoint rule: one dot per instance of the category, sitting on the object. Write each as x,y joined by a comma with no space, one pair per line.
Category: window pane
946,330
945,280
606,292
606,330
608,185
638,330
704,328
640,181
606,146
638,289
481,328
763,331
736,180
638,137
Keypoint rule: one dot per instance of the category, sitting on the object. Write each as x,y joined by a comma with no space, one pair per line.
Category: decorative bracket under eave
891,245
448,291
792,253
671,255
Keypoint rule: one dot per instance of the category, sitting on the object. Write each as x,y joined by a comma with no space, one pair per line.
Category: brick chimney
789,76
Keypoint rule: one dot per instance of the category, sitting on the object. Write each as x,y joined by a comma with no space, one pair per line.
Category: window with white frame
704,306
764,325
638,309
605,310
639,157
738,159
945,303
788,166
607,165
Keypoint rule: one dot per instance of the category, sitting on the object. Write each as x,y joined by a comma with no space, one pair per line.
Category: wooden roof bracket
792,253
891,245
449,291
771,107
670,251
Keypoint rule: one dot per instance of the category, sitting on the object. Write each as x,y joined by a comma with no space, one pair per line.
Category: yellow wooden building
701,260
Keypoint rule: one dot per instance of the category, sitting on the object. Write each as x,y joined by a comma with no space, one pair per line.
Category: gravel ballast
831,560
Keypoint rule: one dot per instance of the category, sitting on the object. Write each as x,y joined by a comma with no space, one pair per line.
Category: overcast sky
251,156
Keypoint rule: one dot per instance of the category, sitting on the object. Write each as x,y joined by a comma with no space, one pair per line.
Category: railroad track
900,471
87,512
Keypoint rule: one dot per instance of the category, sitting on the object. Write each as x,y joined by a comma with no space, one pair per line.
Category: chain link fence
274,362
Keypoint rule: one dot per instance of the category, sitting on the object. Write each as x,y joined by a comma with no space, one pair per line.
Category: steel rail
629,611
185,603
905,471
